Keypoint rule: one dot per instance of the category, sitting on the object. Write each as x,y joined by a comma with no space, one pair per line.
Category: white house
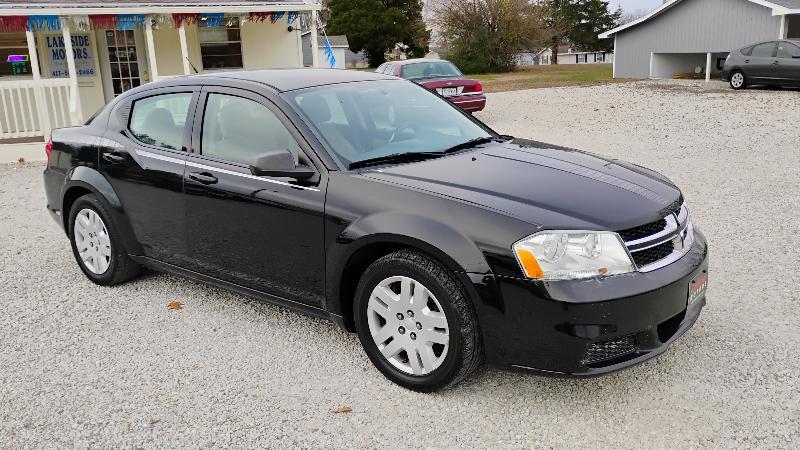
339,46
61,60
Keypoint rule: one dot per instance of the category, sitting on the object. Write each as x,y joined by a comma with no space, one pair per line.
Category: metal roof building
687,35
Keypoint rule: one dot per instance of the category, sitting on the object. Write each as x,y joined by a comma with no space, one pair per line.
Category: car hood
548,186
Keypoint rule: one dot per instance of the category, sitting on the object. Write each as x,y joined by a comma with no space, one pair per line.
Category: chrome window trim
220,170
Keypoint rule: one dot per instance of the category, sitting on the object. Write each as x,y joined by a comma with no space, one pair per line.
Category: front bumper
588,327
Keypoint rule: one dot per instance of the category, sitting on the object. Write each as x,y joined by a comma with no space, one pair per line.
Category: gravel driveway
82,365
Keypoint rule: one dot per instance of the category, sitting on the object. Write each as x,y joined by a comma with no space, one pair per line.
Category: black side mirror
797,56
279,163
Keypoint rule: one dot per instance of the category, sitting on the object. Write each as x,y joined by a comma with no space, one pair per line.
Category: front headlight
571,255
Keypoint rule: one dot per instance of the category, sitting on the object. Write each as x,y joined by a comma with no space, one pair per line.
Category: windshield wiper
470,143
395,158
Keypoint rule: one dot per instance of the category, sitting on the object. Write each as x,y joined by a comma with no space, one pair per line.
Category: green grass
533,77
546,76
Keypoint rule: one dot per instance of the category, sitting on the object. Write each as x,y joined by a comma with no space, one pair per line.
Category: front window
238,129
600,57
374,119
787,50
435,69
581,58
14,57
221,47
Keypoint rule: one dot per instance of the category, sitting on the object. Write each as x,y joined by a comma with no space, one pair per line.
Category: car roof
418,60
290,79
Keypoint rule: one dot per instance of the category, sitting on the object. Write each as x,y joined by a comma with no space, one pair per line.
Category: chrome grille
656,244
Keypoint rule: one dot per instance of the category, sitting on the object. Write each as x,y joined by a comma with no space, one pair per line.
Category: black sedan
367,200
773,63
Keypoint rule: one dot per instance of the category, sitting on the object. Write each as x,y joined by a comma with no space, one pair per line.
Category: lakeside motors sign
57,56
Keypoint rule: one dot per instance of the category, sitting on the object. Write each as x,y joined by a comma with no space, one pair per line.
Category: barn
696,35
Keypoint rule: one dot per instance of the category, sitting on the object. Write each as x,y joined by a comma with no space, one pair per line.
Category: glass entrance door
123,59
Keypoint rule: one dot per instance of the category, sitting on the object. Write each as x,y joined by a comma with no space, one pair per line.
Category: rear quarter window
746,51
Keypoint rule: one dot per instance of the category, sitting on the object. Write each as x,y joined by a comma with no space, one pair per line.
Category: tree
580,22
628,17
376,26
486,35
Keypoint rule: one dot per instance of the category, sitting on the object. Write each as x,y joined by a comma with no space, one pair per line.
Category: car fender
433,237
90,179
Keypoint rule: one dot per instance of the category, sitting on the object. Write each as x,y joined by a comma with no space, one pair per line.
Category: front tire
416,323
97,245
738,80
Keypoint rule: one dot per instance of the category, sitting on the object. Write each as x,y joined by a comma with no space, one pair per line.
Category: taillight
48,148
477,87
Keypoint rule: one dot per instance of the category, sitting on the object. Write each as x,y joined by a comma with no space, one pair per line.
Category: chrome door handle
203,177
114,158
775,63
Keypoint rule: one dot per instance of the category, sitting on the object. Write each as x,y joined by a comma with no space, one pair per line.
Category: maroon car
442,77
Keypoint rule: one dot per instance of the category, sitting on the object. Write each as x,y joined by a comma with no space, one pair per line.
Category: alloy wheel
408,325
92,241
737,80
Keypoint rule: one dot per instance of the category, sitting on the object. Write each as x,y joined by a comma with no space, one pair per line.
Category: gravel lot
82,365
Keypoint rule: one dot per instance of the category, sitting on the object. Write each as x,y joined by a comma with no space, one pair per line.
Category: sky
631,6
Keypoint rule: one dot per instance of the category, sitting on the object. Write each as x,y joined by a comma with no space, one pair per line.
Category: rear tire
738,80
97,245
416,323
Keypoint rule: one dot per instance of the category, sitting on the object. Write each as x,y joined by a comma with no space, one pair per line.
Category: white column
151,48
41,105
74,97
708,66
314,43
651,64
614,61
782,32
187,67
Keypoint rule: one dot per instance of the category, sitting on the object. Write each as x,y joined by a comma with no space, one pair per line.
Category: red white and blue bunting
134,21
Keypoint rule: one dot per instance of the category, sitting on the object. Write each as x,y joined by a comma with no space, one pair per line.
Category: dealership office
60,61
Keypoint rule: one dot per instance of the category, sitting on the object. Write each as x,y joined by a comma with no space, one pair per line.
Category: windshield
372,119
435,69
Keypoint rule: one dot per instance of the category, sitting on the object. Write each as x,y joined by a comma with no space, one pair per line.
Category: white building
61,60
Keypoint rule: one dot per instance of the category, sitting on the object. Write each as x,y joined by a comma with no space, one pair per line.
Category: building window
600,57
581,58
14,57
221,47
123,60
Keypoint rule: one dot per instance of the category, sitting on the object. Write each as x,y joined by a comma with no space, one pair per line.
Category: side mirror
279,163
796,56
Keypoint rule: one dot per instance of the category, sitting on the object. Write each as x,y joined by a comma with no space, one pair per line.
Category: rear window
436,69
160,120
764,50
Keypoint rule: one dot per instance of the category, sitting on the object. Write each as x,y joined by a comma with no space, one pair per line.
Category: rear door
263,233
143,154
759,66
788,58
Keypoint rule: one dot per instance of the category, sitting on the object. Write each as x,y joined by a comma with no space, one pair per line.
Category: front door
263,233
123,58
788,66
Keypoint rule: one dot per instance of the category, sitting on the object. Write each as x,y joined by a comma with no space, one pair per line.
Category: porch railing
31,108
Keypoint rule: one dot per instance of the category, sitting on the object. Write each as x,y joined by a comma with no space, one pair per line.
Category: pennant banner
211,20
44,23
291,16
103,21
81,22
11,24
277,16
261,16
184,18
129,21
